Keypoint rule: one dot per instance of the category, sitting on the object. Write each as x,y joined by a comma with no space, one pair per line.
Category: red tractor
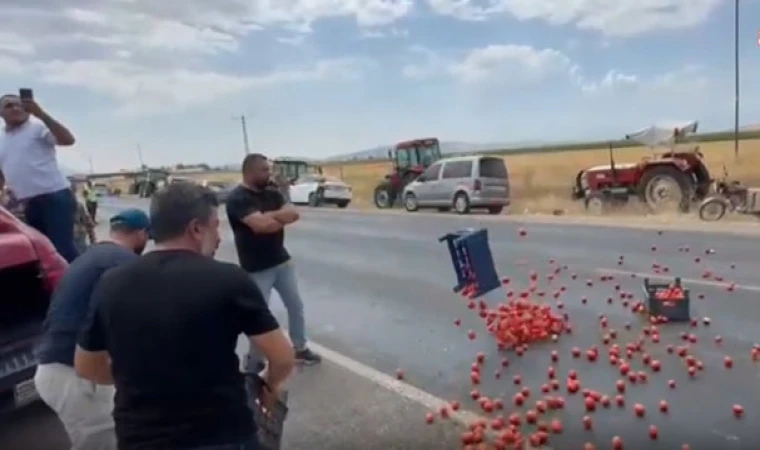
410,159
668,182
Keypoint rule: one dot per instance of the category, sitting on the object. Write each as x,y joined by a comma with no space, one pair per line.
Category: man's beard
261,184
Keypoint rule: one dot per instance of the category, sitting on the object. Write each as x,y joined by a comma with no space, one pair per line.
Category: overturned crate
472,260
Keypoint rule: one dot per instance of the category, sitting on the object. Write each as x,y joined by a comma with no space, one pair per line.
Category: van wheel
462,203
410,202
495,210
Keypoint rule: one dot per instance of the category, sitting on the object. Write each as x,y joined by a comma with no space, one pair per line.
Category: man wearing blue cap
84,408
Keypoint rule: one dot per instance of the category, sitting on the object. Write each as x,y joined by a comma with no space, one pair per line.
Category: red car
30,268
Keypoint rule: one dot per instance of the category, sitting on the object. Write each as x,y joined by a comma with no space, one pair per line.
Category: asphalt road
378,289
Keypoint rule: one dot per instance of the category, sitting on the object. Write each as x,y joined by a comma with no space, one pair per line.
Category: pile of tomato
671,293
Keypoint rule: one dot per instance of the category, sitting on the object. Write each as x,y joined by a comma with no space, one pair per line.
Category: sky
317,78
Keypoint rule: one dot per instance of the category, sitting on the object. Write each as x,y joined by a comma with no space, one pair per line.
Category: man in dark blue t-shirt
84,408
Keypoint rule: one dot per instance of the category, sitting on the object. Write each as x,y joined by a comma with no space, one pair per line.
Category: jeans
92,209
251,444
83,407
282,278
53,215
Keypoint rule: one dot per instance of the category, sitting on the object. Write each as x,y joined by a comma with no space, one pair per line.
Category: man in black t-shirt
258,215
164,328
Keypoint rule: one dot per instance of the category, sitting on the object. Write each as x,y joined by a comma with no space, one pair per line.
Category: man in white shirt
28,162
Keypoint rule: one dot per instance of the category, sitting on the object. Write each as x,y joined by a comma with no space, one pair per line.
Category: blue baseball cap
132,219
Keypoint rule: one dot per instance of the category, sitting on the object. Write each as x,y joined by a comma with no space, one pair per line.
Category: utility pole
92,166
142,187
140,156
736,79
244,126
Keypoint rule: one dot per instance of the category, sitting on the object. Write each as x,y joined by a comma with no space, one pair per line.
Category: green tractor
285,171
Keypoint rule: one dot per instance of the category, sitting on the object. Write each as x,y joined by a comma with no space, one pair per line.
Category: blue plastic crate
472,260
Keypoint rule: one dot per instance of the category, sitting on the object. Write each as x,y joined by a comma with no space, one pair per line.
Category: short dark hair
175,206
250,159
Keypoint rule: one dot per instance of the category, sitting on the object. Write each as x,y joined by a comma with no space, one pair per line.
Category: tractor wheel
596,204
410,202
713,209
384,196
461,203
666,189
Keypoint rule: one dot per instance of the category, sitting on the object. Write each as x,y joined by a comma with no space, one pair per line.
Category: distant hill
447,148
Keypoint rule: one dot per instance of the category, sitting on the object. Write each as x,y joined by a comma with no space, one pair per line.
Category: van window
493,168
457,169
432,172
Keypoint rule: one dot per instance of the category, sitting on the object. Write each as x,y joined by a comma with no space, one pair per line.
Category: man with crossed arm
258,215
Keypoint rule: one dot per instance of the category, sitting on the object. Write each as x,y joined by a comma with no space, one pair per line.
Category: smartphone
26,94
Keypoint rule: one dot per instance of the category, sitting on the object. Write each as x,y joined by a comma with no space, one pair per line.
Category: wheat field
542,181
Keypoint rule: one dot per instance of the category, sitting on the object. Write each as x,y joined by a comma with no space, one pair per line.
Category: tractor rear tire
384,196
666,174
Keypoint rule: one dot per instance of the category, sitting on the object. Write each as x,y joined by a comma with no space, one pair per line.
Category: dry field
541,182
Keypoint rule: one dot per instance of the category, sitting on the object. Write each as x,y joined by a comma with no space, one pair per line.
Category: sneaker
307,357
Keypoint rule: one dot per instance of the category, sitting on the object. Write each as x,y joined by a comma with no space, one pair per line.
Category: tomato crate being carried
668,300
472,260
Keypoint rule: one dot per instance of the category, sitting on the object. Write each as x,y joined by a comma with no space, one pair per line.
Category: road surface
378,290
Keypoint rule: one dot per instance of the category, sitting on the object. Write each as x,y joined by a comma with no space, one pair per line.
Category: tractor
410,159
667,182
285,171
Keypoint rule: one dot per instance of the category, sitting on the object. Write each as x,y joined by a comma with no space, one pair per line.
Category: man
91,201
164,331
28,161
258,216
84,408
84,228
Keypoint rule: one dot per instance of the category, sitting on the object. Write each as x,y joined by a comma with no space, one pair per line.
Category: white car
318,190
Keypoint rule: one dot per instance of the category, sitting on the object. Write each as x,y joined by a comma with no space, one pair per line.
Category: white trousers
84,408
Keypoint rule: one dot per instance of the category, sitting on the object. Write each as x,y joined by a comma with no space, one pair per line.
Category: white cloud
610,17
510,63
613,79
143,89
146,53
504,63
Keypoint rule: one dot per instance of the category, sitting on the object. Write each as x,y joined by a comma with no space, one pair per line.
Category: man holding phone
28,161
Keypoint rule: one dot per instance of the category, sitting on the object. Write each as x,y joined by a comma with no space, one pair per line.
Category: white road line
401,388
655,276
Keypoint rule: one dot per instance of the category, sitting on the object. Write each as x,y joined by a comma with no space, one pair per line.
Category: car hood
335,184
